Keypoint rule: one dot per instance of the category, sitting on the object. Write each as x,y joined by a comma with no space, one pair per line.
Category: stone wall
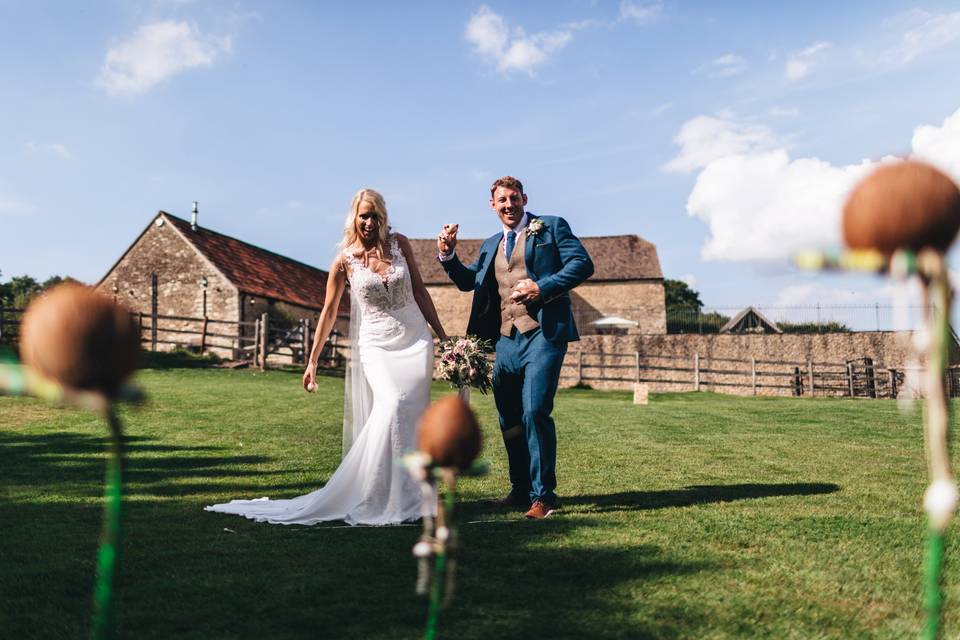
639,301
179,269
727,363
642,302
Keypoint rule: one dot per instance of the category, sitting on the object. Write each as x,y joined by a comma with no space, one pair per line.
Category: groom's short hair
506,181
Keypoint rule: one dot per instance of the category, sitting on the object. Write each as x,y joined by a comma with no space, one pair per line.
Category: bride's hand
310,377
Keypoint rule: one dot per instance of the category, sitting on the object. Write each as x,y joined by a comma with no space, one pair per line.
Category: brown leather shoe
512,500
539,510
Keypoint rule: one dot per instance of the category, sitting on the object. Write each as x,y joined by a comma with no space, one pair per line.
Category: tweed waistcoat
508,275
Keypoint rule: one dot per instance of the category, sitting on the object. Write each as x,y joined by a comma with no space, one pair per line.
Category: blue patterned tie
511,240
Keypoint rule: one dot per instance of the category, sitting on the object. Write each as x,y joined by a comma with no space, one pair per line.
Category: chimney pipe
193,222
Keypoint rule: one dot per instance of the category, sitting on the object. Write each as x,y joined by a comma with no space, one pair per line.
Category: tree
20,289
679,295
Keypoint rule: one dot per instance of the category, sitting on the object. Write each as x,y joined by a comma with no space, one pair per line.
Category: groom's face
508,204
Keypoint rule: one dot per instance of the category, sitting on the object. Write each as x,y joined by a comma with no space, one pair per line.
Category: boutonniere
535,226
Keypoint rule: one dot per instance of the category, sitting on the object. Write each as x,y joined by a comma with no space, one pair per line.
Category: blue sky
725,133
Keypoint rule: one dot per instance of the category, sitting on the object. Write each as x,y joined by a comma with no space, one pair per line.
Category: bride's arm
336,282
420,293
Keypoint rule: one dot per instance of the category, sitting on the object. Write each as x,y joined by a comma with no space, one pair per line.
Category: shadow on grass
177,359
693,495
189,574
74,463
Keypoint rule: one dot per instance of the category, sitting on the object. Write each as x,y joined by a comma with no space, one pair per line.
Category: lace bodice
388,313
382,293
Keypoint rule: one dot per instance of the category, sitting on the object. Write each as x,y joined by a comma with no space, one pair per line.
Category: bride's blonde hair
350,235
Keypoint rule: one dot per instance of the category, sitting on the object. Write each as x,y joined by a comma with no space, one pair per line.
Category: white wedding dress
388,388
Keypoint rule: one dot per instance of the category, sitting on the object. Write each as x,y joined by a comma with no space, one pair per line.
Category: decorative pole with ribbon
449,441
901,220
79,347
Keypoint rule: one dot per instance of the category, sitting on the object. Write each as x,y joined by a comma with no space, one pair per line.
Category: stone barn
180,270
627,285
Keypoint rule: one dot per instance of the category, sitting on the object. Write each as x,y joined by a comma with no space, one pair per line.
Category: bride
387,382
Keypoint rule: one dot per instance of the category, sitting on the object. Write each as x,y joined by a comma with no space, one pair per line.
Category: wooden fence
855,378
250,341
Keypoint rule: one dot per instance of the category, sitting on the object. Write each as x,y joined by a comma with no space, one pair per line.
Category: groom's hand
525,292
447,239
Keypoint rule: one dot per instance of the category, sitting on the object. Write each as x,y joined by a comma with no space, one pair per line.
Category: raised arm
463,276
336,282
420,293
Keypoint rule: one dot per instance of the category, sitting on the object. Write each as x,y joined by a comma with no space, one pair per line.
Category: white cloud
54,148
661,108
784,112
940,146
640,12
723,67
763,205
156,52
10,207
933,32
690,279
704,139
488,33
800,64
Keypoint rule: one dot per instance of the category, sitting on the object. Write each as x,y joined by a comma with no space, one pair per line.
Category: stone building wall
179,269
639,301
725,361
642,302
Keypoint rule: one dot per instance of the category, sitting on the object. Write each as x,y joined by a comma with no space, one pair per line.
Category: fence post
636,360
810,375
256,341
306,340
203,336
580,365
893,383
696,371
264,332
871,380
850,378
153,312
753,375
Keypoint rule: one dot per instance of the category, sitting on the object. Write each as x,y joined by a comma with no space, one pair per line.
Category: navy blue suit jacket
555,259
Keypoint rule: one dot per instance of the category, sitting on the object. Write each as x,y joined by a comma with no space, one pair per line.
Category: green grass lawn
697,516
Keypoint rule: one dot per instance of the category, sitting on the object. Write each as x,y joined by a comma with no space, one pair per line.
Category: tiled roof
257,271
615,258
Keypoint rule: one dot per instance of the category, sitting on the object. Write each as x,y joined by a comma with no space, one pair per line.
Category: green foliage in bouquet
464,362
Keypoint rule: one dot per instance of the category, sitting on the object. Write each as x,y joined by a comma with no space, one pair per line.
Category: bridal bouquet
463,363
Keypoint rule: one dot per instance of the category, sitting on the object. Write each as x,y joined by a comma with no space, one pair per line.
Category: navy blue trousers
526,374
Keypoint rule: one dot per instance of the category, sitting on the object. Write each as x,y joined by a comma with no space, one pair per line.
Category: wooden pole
893,382
636,359
264,332
307,337
810,375
696,371
850,378
580,365
753,375
256,341
203,336
153,312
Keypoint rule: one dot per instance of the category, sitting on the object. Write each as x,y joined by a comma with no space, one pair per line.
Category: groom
521,302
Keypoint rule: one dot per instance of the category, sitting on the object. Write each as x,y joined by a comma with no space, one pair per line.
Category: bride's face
368,223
